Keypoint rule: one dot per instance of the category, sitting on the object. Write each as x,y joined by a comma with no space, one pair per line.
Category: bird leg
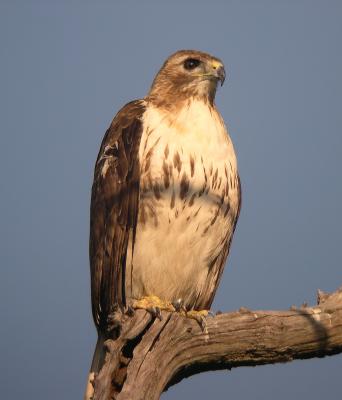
199,316
179,306
153,305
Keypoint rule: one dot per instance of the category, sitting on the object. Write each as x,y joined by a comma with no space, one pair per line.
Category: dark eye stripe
191,63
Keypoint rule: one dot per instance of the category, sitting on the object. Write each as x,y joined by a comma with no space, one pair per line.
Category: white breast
188,200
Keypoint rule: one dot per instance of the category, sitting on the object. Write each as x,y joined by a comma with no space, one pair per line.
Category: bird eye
191,63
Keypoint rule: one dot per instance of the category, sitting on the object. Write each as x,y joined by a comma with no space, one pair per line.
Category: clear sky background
66,68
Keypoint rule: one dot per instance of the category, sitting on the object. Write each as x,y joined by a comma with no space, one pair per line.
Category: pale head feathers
186,74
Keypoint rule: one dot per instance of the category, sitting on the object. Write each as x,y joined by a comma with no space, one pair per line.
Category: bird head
186,74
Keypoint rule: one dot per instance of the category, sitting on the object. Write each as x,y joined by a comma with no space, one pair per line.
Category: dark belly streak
184,231
186,195
188,205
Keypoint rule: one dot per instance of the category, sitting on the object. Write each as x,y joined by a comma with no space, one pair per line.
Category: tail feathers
96,365
99,354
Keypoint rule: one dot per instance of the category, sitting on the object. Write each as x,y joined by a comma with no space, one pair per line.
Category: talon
179,305
153,305
203,323
155,312
158,314
152,311
199,316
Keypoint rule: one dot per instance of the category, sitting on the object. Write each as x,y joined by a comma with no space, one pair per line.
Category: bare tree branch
150,355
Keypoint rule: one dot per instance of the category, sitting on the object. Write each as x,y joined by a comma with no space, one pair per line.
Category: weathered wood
150,355
113,371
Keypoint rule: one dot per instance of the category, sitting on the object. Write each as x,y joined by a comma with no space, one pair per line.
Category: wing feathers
114,209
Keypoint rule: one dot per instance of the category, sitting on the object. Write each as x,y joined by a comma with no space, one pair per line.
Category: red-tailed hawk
166,194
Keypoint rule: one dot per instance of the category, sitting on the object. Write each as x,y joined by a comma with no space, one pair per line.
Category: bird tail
96,365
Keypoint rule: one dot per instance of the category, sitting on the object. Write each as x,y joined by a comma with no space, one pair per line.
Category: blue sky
66,69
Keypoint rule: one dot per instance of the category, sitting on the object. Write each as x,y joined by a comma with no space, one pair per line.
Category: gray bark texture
146,355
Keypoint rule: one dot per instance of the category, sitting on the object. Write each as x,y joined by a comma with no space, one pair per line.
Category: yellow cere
216,64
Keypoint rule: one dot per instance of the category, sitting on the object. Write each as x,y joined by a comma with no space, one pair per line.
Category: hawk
166,196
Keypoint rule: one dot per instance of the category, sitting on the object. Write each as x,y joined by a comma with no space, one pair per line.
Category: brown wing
114,210
217,265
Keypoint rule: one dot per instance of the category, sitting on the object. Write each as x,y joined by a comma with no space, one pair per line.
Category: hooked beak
221,74
219,71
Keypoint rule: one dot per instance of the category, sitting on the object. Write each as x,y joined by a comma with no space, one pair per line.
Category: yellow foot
199,316
154,305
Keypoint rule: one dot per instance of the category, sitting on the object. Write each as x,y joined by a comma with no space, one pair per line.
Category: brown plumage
166,194
138,172
172,86
114,209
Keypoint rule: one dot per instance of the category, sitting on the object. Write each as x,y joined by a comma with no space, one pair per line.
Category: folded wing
114,210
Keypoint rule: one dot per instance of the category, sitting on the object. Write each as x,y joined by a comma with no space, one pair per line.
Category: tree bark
149,355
